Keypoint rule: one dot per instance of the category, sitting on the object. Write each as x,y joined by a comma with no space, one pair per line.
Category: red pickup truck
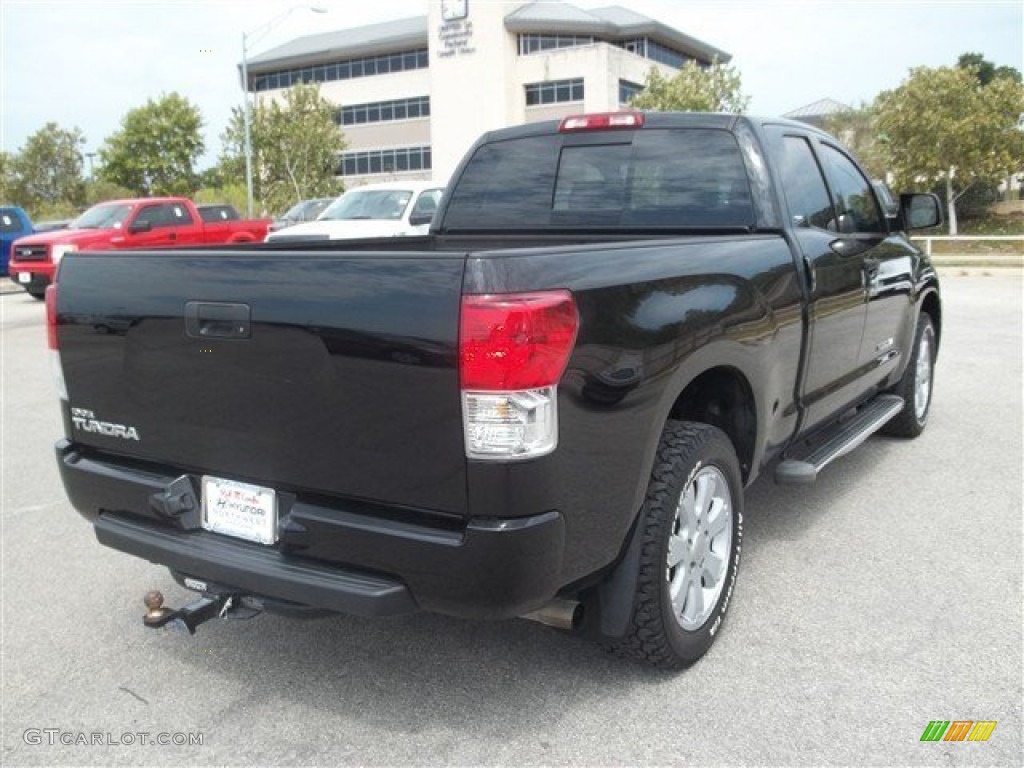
140,223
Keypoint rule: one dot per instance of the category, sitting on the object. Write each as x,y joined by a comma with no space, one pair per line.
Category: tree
295,148
694,88
942,125
7,178
230,194
46,174
98,191
857,129
156,150
985,70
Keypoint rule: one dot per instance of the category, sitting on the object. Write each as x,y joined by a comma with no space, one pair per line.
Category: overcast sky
85,63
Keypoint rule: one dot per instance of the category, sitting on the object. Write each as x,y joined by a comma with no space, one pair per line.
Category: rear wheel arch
723,398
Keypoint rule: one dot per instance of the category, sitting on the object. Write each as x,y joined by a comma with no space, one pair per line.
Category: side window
803,185
855,198
10,223
165,215
176,215
427,203
151,214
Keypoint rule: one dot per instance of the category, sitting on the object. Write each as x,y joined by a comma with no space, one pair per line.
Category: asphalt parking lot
887,595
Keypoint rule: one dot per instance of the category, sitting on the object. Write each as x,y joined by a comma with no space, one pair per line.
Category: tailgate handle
217,320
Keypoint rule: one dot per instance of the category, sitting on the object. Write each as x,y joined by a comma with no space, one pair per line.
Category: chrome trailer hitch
209,606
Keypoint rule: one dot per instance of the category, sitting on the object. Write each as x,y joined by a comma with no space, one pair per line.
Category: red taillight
51,316
601,121
510,342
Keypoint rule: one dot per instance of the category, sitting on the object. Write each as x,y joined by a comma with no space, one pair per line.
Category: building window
385,161
385,111
628,90
665,55
554,92
536,43
343,70
637,45
655,51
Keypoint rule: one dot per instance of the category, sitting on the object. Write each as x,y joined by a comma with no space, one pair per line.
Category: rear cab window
652,178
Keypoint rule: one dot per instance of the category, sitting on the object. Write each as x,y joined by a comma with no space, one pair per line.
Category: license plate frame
24,278
240,510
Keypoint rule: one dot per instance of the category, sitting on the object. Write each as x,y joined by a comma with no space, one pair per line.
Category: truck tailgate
328,373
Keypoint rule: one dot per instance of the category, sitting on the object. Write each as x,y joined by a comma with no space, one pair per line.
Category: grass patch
979,227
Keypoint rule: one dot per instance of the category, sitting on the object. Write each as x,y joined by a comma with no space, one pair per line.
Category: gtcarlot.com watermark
51,737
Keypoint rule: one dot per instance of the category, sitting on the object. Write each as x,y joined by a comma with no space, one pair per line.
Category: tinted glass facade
554,92
384,161
385,111
343,70
628,90
642,46
536,43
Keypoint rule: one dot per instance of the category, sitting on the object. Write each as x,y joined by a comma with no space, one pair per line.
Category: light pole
246,39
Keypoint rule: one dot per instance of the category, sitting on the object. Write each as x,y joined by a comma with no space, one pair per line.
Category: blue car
14,223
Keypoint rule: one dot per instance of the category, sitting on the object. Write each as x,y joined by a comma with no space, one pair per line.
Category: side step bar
839,441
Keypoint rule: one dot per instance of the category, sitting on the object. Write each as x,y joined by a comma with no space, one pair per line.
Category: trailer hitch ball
155,611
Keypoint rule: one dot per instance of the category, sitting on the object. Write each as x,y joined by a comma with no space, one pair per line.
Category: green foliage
7,178
941,125
46,174
231,194
716,88
156,150
985,70
295,148
996,225
857,129
973,203
99,191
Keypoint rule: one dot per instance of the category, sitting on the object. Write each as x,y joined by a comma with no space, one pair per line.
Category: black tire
689,454
911,421
37,294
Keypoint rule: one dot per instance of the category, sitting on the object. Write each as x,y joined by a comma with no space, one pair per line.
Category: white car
390,209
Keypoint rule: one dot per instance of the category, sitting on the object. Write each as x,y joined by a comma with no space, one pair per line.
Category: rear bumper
331,555
254,570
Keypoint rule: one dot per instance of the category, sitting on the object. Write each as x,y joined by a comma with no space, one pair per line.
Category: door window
803,185
164,215
855,198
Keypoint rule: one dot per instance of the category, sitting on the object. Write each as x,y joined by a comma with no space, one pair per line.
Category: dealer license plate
240,510
24,277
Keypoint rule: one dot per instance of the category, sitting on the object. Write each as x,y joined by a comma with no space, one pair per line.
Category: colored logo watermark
958,730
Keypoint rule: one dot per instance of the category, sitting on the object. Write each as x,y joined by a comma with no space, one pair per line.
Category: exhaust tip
559,613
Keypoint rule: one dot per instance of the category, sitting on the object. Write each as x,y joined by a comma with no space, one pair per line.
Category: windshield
296,211
387,204
102,217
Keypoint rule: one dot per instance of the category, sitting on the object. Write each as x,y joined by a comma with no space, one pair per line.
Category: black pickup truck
548,407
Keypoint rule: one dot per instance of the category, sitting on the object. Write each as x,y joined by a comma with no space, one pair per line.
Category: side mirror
920,211
419,219
140,226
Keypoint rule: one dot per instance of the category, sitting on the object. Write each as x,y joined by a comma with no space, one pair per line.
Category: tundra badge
86,420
